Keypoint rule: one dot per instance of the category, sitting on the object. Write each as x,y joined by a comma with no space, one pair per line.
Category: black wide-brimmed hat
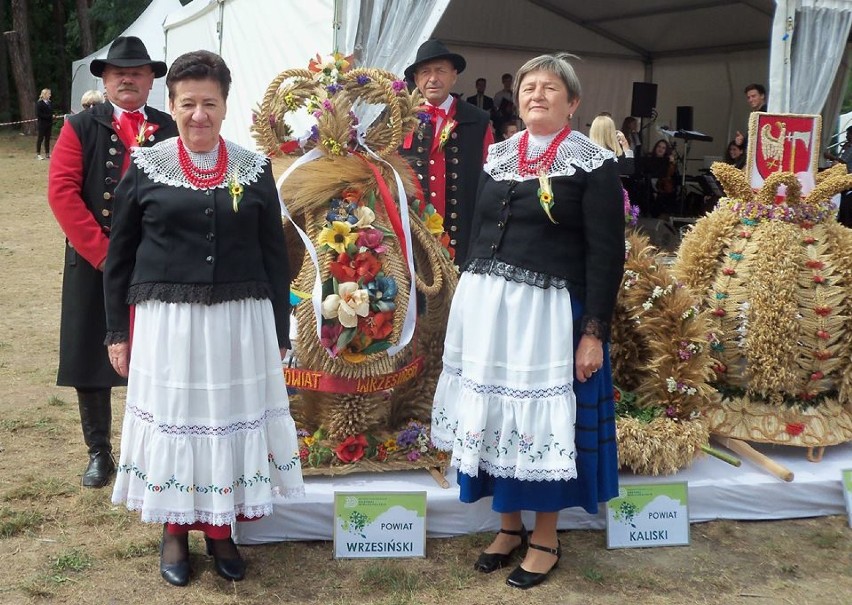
431,50
127,51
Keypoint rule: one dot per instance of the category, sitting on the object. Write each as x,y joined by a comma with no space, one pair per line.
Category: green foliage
14,522
71,560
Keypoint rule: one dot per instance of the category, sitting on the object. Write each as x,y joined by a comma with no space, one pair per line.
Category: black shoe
492,561
521,578
230,569
100,470
176,574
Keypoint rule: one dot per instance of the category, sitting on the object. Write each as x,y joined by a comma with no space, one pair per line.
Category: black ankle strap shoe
521,578
492,561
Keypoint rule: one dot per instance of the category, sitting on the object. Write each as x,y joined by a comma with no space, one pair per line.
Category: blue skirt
596,455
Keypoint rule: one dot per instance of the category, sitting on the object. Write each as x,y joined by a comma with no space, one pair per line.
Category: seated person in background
603,133
735,155
660,169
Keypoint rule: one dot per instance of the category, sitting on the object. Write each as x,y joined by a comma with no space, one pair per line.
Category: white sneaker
39,157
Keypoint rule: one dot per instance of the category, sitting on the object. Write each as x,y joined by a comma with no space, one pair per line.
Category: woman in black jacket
525,399
197,246
44,117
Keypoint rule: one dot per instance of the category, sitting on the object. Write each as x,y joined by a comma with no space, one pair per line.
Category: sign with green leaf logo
379,525
648,515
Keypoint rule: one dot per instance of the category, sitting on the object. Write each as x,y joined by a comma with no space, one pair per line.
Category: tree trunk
87,41
62,94
5,109
18,43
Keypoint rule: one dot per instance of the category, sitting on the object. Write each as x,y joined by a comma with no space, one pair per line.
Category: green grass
134,550
13,424
593,575
39,489
55,401
390,577
71,560
14,522
828,540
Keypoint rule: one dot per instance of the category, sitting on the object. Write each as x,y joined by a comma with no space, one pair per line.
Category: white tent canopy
700,53
148,28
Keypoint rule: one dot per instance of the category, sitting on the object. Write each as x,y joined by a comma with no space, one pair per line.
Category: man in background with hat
447,151
91,154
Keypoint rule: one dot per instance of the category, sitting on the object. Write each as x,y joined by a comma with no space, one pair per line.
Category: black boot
96,419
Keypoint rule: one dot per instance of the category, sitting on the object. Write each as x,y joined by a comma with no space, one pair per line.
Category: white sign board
648,515
379,525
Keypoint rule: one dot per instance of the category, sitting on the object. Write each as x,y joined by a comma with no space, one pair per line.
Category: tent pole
220,24
336,25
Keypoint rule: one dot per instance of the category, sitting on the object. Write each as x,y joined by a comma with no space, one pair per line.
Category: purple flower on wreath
671,412
330,332
398,86
300,433
423,117
362,79
333,88
413,455
314,133
318,114
326,104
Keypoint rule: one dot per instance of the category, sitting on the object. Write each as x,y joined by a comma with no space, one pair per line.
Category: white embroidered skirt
504,402
207,431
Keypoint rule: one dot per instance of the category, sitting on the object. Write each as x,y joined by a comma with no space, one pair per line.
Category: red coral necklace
203,178
542,163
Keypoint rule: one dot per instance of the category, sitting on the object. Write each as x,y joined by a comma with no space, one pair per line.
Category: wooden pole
749,453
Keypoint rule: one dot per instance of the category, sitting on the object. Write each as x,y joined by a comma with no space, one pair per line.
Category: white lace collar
576,151
160,163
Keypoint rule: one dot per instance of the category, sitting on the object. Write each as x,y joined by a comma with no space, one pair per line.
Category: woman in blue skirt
524,402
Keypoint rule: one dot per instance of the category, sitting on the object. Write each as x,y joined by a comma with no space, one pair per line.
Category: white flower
657,293
347,304
671,384
365,217
647,305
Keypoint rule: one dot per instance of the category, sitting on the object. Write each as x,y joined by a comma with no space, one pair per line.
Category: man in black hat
89,157
447,151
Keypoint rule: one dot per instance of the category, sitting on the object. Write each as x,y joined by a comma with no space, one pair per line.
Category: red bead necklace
203,178
542,163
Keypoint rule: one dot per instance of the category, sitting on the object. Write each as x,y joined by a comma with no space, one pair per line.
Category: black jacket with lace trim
584,252
175,244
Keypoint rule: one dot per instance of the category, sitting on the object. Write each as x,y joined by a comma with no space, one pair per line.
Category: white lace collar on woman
576,151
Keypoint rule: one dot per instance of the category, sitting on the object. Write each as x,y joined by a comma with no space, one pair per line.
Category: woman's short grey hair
557,63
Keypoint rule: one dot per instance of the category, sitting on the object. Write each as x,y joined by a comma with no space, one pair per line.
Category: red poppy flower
794,428
616,395
818,279
381,452
289,147
445,242
343,269
729,271
367,266
719,312
814,264
351,449
377,326
822,311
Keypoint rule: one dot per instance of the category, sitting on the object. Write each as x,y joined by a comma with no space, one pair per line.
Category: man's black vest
463,153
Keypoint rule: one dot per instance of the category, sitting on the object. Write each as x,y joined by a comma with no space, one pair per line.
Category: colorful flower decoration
359,297
338,236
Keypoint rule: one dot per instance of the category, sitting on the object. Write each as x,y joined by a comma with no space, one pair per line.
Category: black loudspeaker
684,117
644,99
